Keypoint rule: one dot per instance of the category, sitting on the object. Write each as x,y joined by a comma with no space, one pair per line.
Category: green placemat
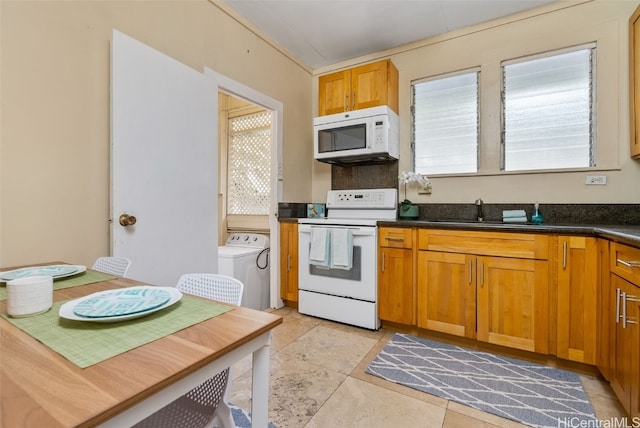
86,343
87,277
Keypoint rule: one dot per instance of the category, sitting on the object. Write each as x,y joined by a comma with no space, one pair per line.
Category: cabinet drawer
625,262
500,244
395,237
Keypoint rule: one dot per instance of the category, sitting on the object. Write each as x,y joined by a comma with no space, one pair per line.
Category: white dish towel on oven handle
319,250
341,249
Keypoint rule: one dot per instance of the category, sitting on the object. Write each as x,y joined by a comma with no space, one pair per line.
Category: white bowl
29,296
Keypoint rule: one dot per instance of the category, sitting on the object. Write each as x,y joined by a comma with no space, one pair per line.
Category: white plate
67,309
125,301
56,271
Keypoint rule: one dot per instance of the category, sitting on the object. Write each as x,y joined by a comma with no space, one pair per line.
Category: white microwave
368,135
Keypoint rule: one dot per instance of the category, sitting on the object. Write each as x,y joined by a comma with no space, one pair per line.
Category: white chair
114,265
208,401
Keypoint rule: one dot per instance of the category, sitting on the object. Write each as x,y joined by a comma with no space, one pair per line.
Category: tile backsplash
378,176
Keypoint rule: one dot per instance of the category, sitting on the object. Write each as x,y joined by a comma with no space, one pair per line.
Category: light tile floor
318,380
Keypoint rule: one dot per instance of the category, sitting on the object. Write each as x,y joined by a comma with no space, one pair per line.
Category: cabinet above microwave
369,85
368,135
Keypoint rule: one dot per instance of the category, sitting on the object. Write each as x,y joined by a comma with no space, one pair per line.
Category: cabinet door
395,285
625,376
446,293
513,303
334,93
606,314
577,299
369,85
289,261
634,84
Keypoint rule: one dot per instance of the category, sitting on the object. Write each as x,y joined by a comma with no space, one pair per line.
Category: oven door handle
356,231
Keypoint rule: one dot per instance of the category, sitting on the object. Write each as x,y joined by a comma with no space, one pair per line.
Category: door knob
126,220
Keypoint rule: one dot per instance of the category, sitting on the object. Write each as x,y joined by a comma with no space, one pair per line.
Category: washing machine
245,256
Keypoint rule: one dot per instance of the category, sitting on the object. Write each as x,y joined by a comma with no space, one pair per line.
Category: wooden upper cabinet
334,93
634,84
368,85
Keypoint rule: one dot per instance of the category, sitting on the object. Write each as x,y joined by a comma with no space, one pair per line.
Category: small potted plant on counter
407,209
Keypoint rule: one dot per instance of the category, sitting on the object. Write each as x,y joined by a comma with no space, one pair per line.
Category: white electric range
334,291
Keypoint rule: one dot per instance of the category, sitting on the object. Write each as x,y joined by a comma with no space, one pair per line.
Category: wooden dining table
41,388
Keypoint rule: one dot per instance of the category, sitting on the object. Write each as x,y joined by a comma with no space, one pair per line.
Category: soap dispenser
536,217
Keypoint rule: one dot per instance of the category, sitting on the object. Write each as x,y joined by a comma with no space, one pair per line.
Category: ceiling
325,32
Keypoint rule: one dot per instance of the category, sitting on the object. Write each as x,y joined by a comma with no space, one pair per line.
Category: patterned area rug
528,393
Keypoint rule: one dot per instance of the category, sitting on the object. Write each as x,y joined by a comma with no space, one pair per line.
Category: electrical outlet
425,190
596,179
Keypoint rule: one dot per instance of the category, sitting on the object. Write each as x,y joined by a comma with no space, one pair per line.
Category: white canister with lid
29,296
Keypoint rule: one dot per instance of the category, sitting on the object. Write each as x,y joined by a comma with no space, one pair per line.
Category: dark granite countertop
623,233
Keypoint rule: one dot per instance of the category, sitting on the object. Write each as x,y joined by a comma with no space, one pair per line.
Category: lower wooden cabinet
625,375
465,289
513,300
577,293
395,286
605,311
395,275
289,262
447,293
625,355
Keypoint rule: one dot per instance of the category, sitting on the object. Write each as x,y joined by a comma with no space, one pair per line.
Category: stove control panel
362,199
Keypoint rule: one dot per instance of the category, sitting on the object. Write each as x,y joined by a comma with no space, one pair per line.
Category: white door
163,164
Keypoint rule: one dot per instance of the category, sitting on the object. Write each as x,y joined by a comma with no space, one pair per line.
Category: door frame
239,90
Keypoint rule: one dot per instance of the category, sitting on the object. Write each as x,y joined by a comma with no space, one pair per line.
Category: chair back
114,265
212,286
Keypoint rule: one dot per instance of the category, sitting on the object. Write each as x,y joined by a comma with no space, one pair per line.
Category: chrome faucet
479,206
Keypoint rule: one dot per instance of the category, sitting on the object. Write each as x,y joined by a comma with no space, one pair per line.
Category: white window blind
445,124
249,164
548,112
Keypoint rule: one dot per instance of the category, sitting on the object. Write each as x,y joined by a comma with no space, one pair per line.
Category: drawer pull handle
627,298
631,264
394,238
618,295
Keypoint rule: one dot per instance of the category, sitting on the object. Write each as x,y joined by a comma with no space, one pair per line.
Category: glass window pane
547,110
445,125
